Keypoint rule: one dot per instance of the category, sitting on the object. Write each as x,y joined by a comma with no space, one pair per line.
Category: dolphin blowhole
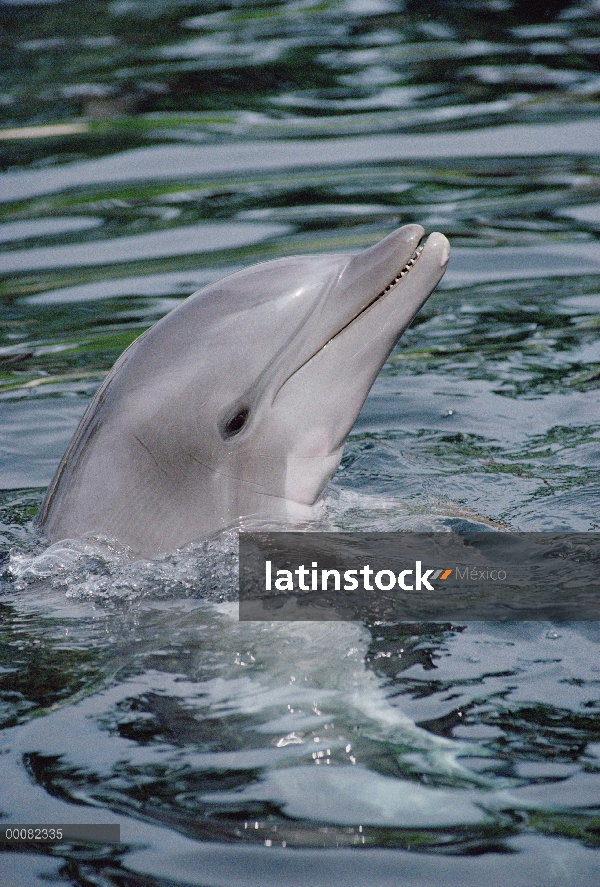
236,405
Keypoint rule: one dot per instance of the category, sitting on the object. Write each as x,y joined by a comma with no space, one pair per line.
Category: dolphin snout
439,243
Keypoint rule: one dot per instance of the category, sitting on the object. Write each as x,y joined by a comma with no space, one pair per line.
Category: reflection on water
148,148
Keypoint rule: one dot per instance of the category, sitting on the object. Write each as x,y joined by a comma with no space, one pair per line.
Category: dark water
150,147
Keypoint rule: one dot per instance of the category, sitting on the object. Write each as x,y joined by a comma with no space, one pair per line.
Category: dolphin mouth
406,268
402,273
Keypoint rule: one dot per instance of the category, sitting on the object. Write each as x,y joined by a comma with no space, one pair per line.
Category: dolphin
237,404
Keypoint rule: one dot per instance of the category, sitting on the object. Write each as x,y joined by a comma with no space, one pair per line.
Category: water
149,148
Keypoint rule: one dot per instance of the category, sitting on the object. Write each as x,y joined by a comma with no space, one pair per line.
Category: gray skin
236,405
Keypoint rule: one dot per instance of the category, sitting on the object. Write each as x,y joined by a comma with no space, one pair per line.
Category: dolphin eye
236,423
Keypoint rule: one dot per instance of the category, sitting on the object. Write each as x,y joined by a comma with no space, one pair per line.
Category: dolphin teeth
403,272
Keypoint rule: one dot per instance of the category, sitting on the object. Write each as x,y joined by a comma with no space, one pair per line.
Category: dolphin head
237,404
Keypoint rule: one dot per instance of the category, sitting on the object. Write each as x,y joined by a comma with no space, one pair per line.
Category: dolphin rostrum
237,403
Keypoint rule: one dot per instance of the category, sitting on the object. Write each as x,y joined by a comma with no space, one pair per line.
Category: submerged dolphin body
237,403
